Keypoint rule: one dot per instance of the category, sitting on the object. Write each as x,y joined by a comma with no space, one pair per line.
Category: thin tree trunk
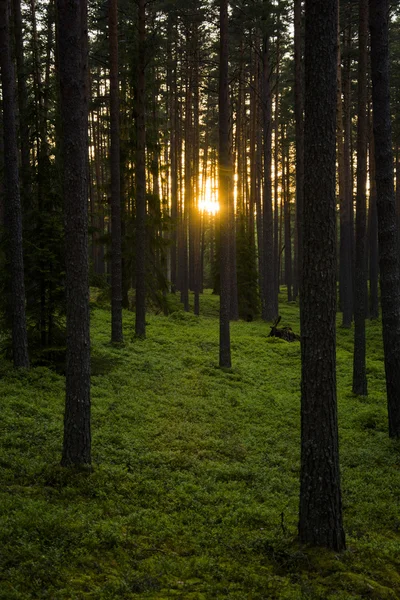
286,200
225,182
386,206
299,117
140,322
13,214
345,283
116,239
373,235
276,169
22,105
269,290
361,296
174,165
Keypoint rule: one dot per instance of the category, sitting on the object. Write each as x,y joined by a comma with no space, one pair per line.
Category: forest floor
195,485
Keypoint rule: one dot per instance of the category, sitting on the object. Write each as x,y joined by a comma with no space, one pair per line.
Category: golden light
209,202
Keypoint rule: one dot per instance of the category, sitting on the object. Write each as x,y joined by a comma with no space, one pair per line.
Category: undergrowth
194,491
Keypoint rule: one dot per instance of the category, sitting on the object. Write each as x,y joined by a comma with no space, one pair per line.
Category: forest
200,299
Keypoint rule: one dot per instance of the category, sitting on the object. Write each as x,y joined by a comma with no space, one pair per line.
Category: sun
209,202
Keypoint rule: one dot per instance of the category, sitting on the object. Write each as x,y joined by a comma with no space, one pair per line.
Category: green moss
194,491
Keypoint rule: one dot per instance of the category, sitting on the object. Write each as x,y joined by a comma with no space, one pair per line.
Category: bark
386,207
269,288
345,282
373,236
13,213
196,174
276,169
187,208
320,519
225,182
22,104
174,164
287,216
299,118
116,233
72,52
140,321
346,209
361,294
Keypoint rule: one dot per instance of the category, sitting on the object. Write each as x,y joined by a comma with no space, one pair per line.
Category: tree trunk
225,182
346,277
345,281
140,322
386,206
116,239
72,52
299,116
361,294
373,235
287,215
320,520
22,105
13,214
268,275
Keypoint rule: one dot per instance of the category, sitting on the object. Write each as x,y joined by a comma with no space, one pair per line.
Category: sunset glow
209,200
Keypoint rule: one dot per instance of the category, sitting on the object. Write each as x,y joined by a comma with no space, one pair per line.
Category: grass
194,491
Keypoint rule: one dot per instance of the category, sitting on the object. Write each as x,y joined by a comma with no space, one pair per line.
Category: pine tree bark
373,235
346,276
225,182
116,232
174,160
269,285
22,104
299,118
276,169
386,206
361,294
287,216
320,518
13,213
345,279
140,321
73,71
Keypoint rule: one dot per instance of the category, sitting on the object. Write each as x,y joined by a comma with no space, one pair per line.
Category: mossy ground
194,491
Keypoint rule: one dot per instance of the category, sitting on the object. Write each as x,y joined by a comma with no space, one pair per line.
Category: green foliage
194,491
247,275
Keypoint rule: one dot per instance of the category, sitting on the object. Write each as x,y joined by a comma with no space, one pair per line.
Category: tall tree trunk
187,208
22,104
225,182
116,238
276,169
174,164
13,214
73,71
373,235
196,174
361,295
346,278
268,276
299,117
320,520
287,215
386,206
345,282
140,322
